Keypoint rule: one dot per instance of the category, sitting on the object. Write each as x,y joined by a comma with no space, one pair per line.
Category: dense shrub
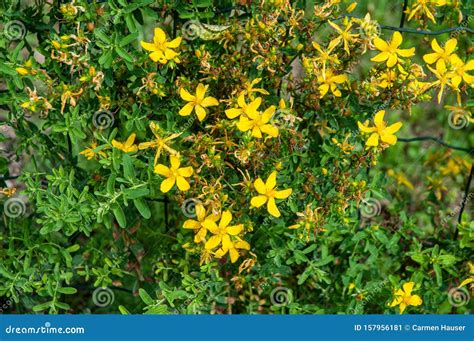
235,157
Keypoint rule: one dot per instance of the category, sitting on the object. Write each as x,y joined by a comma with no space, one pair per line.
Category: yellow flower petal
186,110
272,208
258,201
380,44
185,171
373,140
260,186
167,184
212,242
200,112
408,287
182,183
396,40
174,43
201,91
225,219
209,101
430,58
160,36
235,230
186,95
233,113
271,181
378,118
283,194
162,170
381,57
415,300
191,224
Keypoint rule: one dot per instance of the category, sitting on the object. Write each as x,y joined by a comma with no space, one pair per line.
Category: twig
438,140
463,203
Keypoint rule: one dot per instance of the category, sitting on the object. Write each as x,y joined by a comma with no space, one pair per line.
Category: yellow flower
89,152
268,194
425,7
404,298
400,178
469,280
390,51
325,56
126,146
440,55
160,143
197,225
249,88
222,232
387,78
344,35
444,78
380,131
243,107
328,80
257,121
460,70
162,49
174,174
233,247
198,102
22,71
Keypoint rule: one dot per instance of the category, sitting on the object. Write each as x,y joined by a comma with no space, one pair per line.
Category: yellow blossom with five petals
197,225
257,121
390,51
197,102
268,193
128,146
161,49
174,174
233,247
160,143
441,55
222,232
404,298
380,132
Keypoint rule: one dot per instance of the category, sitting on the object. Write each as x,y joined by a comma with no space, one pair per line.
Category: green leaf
99,33
106,58
73,248
137,192
42,306
120,216
128,170
128,39
123,310
67,290
145,297
7,70
124,54
157,309
142,207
